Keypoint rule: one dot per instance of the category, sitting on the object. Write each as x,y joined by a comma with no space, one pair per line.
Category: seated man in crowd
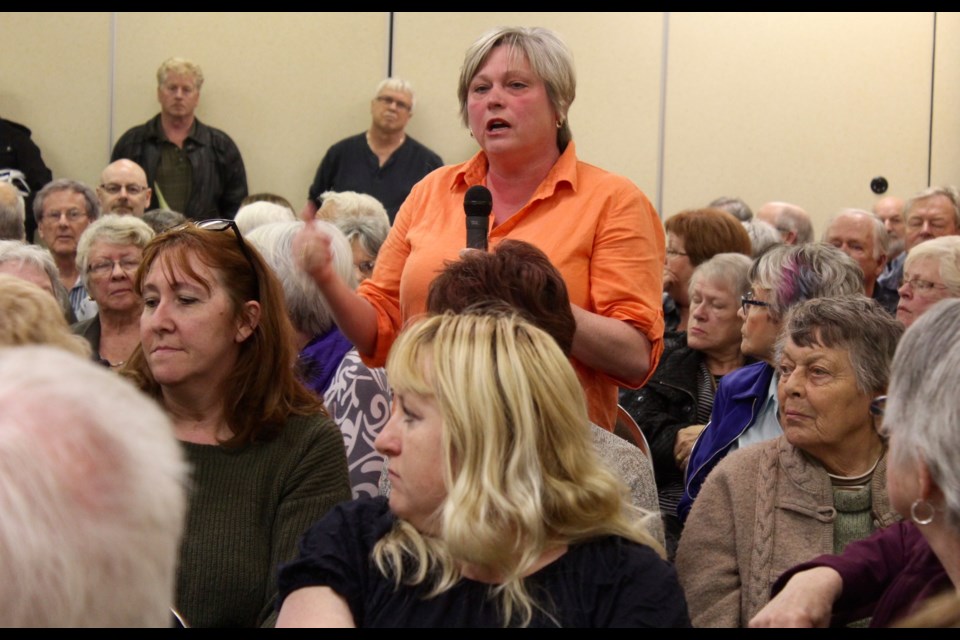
192,168
889,210
63,209
123,188
791,221
862,236
92,492
384,161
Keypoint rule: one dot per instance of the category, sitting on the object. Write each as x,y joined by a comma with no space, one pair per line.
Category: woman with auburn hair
217,352
500,512
693,237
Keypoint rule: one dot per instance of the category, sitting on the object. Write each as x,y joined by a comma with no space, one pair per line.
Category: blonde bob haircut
549,57
32,316
521,472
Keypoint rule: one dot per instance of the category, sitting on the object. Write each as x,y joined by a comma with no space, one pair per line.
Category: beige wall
801,107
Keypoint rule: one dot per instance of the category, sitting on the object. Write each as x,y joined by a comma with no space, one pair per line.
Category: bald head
791,221
123,189
11,213
889,210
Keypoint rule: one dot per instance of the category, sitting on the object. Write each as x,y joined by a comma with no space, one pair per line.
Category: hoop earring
923,505
559,123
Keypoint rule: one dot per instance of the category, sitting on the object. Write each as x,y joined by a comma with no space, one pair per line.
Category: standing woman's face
190,330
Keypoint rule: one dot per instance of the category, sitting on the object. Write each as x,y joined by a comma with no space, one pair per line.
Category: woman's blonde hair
521,472
30,315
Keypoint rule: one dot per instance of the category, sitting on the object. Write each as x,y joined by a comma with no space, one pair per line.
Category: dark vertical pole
390,47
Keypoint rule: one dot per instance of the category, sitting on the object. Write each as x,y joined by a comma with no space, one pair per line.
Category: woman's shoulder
623,583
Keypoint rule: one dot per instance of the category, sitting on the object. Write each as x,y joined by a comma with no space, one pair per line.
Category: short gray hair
730,269
881,240
549,57
63,184
161,220
21,253
12,213
853,323
734,206
923,406
794,273
763,235
307,308
945,250
369,231
112,229
950,193
92,514
397,84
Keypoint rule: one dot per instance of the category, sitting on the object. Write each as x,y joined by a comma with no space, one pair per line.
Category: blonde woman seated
501,513
813,490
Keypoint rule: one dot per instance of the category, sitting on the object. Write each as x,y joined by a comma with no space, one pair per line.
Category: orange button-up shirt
598,229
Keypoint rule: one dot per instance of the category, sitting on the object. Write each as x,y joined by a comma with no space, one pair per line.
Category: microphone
477,205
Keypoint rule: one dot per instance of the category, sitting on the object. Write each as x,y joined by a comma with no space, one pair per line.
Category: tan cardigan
761,511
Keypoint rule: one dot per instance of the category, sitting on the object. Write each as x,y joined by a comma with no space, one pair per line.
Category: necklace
111,364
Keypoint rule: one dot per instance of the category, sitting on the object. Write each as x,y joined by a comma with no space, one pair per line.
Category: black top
607,582
18,151
350,165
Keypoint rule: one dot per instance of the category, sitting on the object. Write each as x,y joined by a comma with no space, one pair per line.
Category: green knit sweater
247,511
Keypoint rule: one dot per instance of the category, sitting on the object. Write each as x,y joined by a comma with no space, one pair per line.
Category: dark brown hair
262,391
517,273
707,232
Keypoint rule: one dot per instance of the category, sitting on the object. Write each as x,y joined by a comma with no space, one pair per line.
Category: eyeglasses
365,267
105,268
73,215
673,253
388,100
225,224
747,301
133,189
878,406
921,286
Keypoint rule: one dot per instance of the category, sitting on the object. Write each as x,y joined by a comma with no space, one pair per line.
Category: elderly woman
931,272
894,572
813,490
693,237
675,405
108,256
358,398
515,90
29,316
34,264
745,405
500,513
216,351
363,220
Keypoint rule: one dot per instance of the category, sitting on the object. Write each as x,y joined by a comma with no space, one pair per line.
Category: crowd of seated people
360,422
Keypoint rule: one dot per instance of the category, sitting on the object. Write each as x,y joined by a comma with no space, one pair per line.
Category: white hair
256,214
307,308
92,495
923,409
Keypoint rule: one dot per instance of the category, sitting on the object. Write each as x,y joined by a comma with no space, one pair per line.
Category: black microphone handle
477,232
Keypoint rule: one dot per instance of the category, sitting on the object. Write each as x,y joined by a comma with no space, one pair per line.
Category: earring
922,505
559,123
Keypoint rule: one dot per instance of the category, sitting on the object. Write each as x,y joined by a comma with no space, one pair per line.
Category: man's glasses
225,224
73,215
746,301
132,189
401,105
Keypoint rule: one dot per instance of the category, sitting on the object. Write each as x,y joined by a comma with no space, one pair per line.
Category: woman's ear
927,487
248,321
